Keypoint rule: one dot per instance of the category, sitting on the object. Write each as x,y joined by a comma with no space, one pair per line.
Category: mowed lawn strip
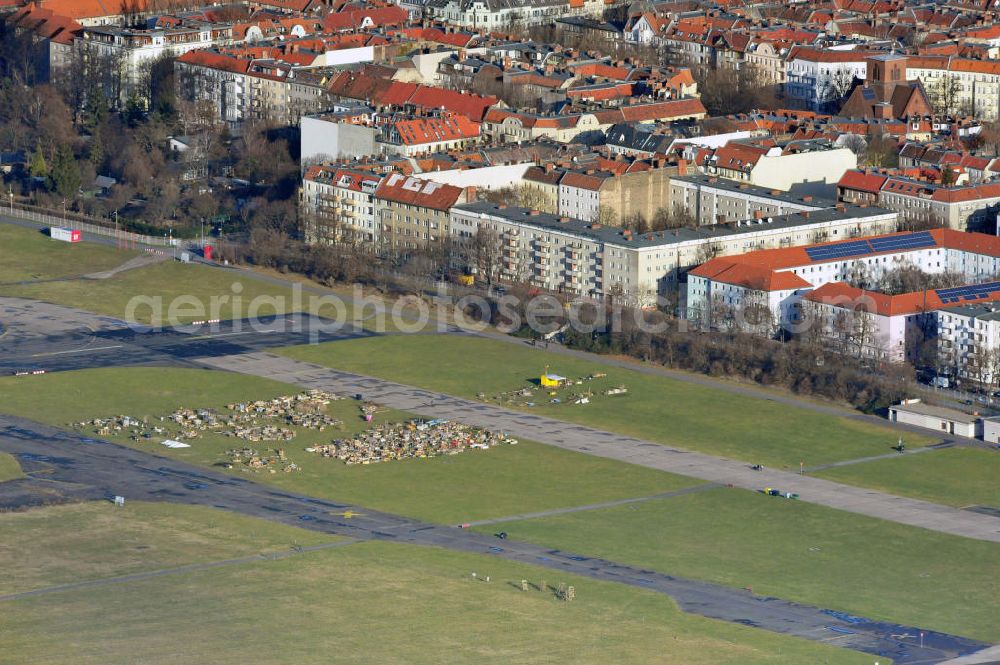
9,468
473,485
55,545
381,603
657,408
795,551
953,476
180,293
29,254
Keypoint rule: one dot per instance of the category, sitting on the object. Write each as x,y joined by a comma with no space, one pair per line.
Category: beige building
335,200
958,85
412,212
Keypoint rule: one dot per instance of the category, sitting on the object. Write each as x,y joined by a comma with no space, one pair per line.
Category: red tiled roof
368,17
865,182
845,296
450,127
421,193
761,279
470,105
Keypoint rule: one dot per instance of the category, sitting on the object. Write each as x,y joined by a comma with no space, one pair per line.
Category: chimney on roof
682,166
533,212
807,198
775,192
841,207
805,213
758,214
501,206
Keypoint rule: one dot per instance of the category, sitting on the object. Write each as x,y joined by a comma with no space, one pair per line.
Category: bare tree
945,95
834,87
485,255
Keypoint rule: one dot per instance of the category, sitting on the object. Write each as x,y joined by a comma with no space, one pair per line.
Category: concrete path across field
592,441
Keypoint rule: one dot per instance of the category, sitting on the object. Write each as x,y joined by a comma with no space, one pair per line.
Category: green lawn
165,293
656,407
379,603
795,551
196,292
508,480
952,476
61,544
9,468
29,254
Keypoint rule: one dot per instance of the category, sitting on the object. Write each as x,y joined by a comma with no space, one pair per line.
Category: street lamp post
10,193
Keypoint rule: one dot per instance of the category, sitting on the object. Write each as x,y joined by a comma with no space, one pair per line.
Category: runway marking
59,353
230,334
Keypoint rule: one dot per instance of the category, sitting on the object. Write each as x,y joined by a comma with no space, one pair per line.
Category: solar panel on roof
909,240
973,292
827,252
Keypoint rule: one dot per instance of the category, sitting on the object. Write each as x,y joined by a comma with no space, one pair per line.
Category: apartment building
336,201
411,212
587,258
712,200
813,166
238,88
132,51
830,288
957,85
926,203
816,78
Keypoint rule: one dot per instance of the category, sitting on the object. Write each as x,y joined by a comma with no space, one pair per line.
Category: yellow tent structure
550,380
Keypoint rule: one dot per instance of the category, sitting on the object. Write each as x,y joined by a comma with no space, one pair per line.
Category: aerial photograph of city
499,332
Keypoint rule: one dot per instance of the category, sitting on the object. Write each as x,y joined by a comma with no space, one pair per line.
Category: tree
37,166
882,151
64,178
485,254
855,143
834,87
606,216
635,222
729,91
945,95
665,218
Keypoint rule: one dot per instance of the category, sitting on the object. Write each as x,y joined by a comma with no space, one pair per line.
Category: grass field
364,603
203,289
71,543
952,476
9,468
795,551
657,408
508,480
29,254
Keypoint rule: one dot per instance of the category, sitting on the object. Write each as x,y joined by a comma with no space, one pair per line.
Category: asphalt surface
40,336
66,466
